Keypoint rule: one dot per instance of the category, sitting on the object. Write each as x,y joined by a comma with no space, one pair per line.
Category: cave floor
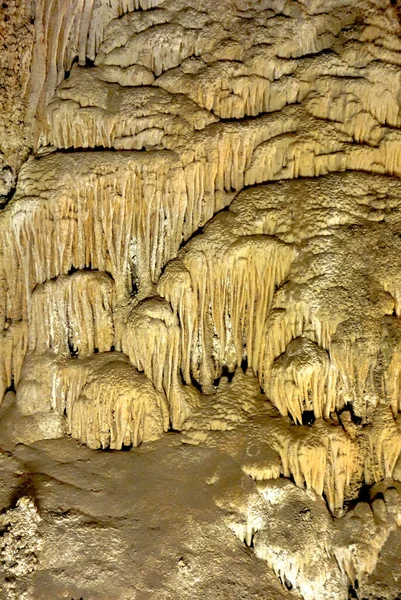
140,524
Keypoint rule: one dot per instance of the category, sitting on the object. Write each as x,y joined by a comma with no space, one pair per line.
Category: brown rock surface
200,262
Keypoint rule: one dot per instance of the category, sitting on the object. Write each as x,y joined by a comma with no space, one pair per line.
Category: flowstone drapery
206,237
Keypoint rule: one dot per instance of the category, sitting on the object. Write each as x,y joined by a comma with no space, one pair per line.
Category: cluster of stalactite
324,557
206,193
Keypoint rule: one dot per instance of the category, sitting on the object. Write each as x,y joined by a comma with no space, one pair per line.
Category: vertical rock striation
207,237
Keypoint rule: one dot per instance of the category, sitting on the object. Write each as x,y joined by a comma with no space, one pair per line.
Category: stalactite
324,457
312,149
305,548
383,441
321,457
111,217
302,379
89,111
67,30
193,200
215,332
117,406
73,312
107,402
360,537
220,305
151,339
13,347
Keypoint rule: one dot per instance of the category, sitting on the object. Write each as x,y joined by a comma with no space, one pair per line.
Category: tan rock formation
207,238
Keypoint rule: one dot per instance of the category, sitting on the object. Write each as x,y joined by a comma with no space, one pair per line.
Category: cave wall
201,230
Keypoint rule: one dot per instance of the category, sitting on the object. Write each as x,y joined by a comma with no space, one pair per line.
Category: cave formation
200,263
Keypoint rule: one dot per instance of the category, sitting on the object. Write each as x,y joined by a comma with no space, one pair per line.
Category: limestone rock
206,238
